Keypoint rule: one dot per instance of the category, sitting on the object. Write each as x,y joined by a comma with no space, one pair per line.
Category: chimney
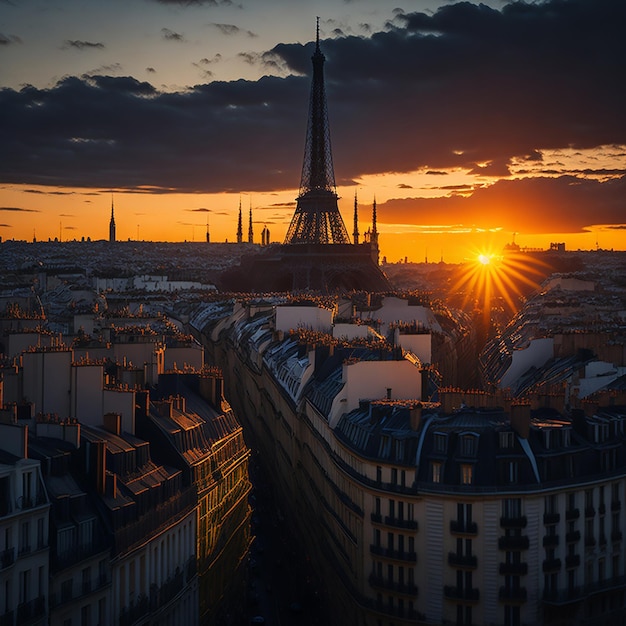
112,423
98,449
415,416
520,419
111,485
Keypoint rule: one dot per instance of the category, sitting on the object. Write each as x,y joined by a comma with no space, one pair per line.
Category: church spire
355,234
239,225
250,231
112,222
374,235
208,237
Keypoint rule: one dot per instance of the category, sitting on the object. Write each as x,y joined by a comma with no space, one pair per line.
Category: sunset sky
470,123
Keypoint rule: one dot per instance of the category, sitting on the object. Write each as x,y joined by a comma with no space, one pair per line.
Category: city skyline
470,124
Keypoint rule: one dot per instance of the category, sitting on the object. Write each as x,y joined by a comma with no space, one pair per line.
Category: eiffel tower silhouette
317,218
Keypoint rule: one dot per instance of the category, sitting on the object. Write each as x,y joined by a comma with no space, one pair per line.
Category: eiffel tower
317,218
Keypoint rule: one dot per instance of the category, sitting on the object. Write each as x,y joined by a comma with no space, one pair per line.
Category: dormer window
441,442
469,445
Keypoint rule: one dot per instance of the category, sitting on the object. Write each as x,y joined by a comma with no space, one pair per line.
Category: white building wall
430,576
120,401
419,345
87,393
47,381
370,380
538,352
489,559
292,317
184,355
19,342
398,310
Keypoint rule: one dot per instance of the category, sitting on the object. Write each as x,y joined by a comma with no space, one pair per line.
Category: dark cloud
404,186
150,70
170,35
231,29
200,210
18,209
6,40
529,205
462,87
6,225
82,45
190,3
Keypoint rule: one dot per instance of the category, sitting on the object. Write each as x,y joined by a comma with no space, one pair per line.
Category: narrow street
282,589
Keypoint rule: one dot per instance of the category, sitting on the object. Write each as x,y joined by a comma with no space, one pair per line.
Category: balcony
572,536
513,596
518,521
572,560
30,610
7,558
551,565
616,505
458,594
400,523
551,518
395,555
589,511
392,611
376,518
572,514
462,527
461,561
513,569
513,543
407,589
550,541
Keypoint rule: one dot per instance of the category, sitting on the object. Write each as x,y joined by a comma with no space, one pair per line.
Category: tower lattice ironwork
317,218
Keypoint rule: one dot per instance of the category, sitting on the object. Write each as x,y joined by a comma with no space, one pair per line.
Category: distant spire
355,234
374,231
250,232
208,237
374,235
112,222
239,225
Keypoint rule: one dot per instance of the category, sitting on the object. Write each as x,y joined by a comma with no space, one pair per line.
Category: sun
492,277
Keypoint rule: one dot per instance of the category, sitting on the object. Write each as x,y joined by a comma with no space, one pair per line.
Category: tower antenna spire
355,234
317,218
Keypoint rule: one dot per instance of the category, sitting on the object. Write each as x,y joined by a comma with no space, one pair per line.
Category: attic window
440,442
469,445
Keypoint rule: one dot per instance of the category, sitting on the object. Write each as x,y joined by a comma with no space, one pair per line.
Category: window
466,474
464,513
24,537
550,504
40,534
435,469
469,445
85,615
507,439
512,507
440,442
512,471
